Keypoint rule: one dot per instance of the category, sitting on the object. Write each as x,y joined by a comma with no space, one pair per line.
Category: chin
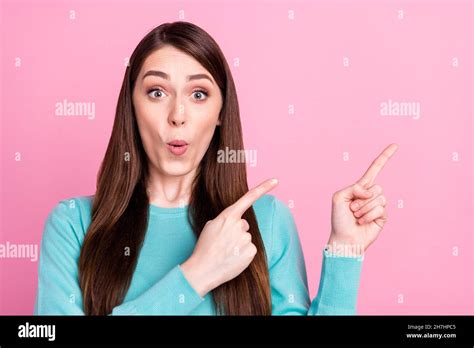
176,169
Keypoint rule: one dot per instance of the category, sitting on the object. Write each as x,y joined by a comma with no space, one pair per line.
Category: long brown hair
120,206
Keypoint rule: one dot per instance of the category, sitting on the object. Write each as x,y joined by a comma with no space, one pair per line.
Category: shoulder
69,219
276,224
270,209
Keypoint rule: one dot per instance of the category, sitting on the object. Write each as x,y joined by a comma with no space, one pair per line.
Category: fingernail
355,206
274,181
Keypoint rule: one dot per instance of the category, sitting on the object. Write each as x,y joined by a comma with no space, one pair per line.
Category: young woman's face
177,105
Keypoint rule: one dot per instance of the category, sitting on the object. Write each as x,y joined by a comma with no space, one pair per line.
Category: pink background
283,62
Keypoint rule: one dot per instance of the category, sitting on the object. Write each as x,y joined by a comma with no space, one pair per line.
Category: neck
168,191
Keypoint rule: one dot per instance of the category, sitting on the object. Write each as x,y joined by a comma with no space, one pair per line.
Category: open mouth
177,147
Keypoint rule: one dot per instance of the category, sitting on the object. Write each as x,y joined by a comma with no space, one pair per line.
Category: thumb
358,191
353,192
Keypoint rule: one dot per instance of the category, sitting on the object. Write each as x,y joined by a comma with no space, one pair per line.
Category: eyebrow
167,77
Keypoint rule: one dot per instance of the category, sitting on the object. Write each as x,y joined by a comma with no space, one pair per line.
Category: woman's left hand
358,211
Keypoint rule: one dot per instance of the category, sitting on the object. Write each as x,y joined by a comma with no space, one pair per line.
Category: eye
200,94
156,93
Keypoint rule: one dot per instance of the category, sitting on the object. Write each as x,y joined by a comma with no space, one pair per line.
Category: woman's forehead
173,62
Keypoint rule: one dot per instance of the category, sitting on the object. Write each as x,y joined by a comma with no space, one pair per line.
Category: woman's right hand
224,248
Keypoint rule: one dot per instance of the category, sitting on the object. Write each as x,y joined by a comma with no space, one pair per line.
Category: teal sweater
159,286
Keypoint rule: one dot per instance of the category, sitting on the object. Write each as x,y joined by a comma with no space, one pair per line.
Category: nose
177,116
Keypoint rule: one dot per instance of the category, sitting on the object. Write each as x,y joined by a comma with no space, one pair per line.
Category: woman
170,229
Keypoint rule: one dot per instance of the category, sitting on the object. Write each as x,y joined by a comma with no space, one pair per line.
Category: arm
339,280
338,286
59,292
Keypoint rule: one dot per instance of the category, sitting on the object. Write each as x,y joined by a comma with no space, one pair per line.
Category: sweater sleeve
59,293
339,281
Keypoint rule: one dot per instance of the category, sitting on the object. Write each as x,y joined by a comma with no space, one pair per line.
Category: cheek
207,115
148,124
205,128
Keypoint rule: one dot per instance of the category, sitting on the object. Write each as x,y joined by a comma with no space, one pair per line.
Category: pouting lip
177,143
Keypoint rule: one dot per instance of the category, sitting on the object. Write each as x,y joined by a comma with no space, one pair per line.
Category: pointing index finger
369,177
247,200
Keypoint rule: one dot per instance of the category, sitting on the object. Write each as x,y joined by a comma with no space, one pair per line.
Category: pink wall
425,253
